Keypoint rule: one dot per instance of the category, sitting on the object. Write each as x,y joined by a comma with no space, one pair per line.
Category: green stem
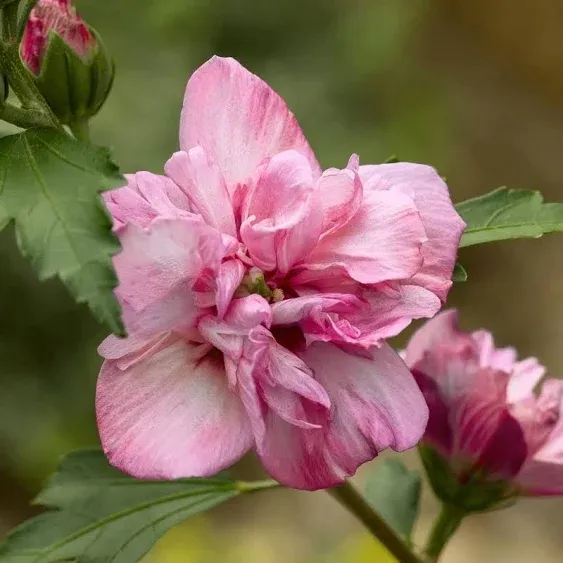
25,10
24,118
349,497
22,84
444,527
10,22
252,486
81,130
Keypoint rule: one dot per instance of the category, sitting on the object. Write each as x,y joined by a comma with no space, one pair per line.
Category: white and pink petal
239,121
171,415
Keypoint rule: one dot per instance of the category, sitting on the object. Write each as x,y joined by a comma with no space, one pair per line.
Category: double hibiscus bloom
258,292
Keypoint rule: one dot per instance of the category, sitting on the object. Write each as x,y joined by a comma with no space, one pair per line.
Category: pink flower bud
487,423
68,61
60,17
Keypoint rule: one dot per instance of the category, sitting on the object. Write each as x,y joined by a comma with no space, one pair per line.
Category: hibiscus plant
249,295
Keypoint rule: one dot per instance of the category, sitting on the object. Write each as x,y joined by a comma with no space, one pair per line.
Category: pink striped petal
526,374
442,329
375,404
158,268
442,224
239,120
145,197
204,186
282,215
382,242
171,415
341,196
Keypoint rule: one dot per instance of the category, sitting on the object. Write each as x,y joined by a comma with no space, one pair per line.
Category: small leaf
50,186
394,491
391,160
506,214
459,273
96,514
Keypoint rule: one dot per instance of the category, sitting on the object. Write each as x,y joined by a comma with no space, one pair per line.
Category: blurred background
474,88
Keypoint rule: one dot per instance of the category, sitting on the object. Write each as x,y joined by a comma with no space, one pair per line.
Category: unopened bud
69,63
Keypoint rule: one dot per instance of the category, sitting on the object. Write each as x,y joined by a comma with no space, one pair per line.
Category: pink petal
239,120
526,374
295,310
390,308
282,214
204,186
375,404
442,329
380,243
229,279
158,267
496,358
442,224
540,419
483,430
541,478
341,196
133,349
171,415
145,197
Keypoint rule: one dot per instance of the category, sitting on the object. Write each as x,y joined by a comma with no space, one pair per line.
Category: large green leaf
506,214
96,514
394,491
50,186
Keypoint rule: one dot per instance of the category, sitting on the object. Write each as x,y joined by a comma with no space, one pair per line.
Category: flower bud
69,63
490,436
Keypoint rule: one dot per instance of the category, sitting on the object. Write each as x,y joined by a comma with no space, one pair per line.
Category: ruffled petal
145,197
382,242
282,214
171,415
341,196
442,224
375,404
229,279
239,120
442,329
204,186
526,374
390,308
158,267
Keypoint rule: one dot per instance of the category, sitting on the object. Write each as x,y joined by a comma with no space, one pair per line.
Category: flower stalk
350,498
445,526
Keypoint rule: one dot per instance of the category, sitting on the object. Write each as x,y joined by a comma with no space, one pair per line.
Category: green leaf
96,514
459,273
394,491
393,159
506,214
50,186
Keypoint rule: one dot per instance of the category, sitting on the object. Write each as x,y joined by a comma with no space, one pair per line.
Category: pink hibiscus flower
485,418
258,291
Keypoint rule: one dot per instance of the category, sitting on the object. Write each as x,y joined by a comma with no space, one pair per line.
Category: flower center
254,282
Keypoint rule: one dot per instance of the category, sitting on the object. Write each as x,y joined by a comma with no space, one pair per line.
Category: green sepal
473,491
75,88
